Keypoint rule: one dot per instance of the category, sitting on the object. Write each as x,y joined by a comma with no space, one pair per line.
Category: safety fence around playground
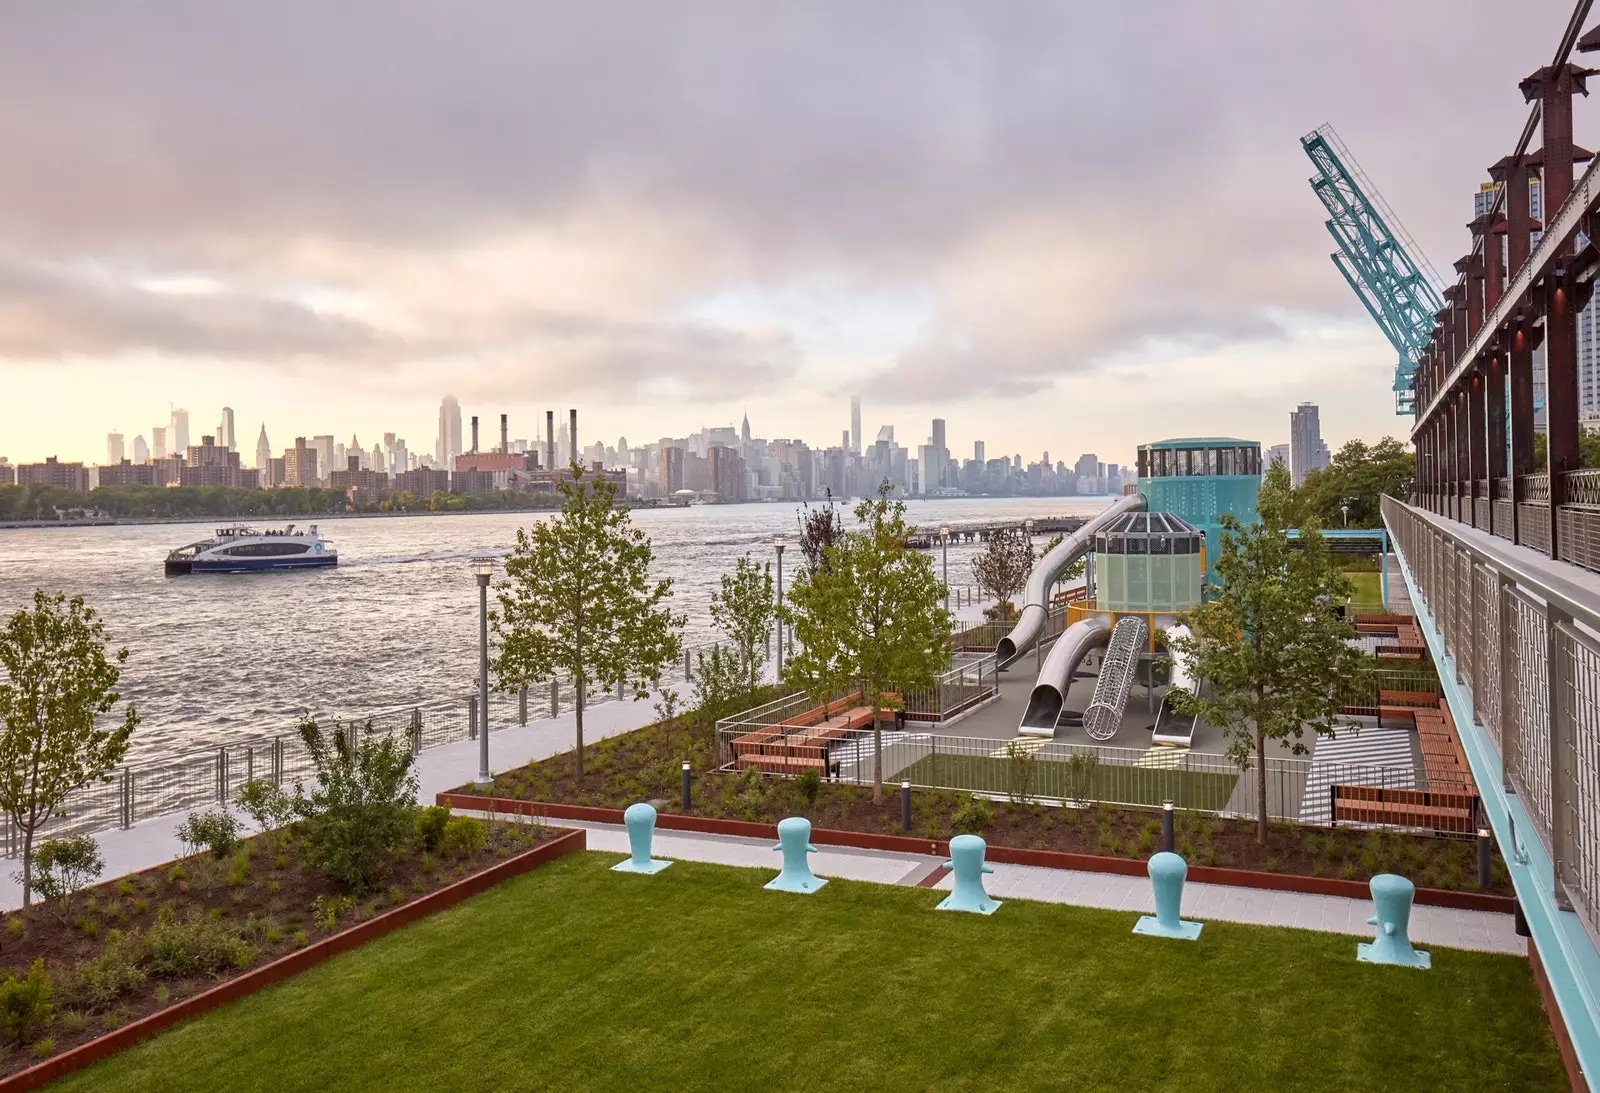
1298,790
212,776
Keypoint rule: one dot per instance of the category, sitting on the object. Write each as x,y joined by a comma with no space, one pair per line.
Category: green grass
1127,785
574,977
1368,587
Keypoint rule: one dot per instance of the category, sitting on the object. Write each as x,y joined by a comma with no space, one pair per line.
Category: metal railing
1524,640
1298,790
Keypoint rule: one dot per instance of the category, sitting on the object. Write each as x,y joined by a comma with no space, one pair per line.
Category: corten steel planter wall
287,966
1049,859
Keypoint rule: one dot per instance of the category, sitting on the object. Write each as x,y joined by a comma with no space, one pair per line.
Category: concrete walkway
1481,930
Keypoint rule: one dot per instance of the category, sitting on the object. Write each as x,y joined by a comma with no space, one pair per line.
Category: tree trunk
27,876
1261,786
580,689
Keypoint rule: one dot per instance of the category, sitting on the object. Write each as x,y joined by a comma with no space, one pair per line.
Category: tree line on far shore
178,502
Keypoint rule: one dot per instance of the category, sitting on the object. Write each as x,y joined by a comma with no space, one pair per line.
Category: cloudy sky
1061,226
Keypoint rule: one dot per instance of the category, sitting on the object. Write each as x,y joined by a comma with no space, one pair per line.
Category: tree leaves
1002,569
743,608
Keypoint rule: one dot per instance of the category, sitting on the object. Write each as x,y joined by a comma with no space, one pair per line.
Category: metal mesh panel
1578,536
1528,762
1465,623
1488,706
1533,526
1581,763
1502,519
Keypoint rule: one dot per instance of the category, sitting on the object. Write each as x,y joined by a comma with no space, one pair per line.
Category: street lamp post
944,538
484,569
778,545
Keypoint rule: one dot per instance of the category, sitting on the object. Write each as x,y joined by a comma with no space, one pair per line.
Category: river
220,657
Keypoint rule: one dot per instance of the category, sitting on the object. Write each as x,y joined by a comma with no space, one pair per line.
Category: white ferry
245,550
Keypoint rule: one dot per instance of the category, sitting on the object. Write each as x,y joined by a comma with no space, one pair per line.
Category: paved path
1358,755
1481,930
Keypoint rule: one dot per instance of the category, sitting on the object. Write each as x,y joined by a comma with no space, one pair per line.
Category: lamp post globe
483,569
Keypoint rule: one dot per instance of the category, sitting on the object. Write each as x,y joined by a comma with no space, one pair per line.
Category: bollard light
686,786
1485,860
905,805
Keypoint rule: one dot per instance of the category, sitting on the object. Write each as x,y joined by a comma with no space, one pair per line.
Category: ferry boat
245,550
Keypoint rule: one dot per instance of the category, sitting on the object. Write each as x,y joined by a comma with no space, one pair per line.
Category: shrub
1021,767
74,1021
199,945
141,905
87,926
124,887
63,867
362,807
972,816
430,825
25,1003
45,1048
268,807
300,939
1081,770
239,869
463,837
808,785
163,994
217,832
101,980
325,912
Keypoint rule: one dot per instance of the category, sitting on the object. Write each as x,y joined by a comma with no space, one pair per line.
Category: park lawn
575,977
1120,783
1367,587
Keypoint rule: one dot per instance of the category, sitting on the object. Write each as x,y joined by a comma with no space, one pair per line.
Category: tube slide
1036,600
1171,726
1050,692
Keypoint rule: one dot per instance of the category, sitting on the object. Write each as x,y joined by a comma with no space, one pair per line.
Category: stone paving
1482,930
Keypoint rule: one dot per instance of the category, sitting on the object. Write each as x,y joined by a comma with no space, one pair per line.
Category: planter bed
998,852
273,917
643,765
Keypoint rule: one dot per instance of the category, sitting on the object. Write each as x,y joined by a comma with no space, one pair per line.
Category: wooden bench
1428,700
785,764
1448,810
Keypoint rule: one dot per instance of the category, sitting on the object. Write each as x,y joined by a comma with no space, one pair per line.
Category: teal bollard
1167,872
794,839
1392,896
966,862
641,821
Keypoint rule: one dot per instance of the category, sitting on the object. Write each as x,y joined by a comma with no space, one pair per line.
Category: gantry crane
1381,262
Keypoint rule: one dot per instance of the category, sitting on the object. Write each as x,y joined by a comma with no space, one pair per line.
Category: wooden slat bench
1439,810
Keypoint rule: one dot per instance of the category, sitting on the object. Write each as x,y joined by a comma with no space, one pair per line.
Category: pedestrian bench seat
1442,810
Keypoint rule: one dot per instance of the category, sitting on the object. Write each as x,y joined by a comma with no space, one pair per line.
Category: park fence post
222,776
250,763
416,730
555,698
127,798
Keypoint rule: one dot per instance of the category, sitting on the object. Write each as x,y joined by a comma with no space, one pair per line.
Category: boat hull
249,565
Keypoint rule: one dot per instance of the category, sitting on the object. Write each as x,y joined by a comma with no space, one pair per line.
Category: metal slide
1173,727
1050,692
1118,668
1035,604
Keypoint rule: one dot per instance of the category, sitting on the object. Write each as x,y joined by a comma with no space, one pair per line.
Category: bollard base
983,906
804,886
1374,953
1151,926
628,865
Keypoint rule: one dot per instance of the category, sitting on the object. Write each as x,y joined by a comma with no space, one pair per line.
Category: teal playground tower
1199,479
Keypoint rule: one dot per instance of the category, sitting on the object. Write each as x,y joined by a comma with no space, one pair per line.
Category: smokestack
550,439
474,433
505,445
572,430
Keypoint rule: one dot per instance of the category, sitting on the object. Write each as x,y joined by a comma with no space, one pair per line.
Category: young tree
59,678
1272,648
869,615
744,609
1002,569
578,601
820,529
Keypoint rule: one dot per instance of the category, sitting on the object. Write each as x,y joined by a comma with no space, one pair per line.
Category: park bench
1447,810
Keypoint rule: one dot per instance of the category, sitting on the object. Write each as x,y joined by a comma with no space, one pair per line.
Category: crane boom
1375,255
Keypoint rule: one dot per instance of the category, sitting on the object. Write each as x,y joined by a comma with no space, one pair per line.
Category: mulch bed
273,907
644,765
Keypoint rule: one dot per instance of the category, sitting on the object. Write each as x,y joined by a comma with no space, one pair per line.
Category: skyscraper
934,475
226,438
114,448
1307,452
855,424
141,450
263,451
324,449
977,451
448,445
178,433
158,442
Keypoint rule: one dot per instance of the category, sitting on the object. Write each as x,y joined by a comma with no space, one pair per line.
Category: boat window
260,550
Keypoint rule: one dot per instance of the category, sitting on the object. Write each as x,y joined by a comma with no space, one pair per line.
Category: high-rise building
933,476
114,449
448,445
178,433
324,448
158,442
977,451
263,451
855,424
226,438
744,429
727,473
1307,452
141,450
671,470
299,465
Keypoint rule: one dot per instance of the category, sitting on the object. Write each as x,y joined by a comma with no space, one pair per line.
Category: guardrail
1525,639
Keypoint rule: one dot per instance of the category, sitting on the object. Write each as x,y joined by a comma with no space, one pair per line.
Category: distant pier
926,538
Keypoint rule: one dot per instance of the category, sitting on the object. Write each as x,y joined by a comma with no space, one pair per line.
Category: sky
1061,226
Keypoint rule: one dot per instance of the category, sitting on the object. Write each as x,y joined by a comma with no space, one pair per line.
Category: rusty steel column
1471,268
1476,436
1494,439
1519,368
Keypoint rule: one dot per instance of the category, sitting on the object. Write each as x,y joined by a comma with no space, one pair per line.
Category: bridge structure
1501,557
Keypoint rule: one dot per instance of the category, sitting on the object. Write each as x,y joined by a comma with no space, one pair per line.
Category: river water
220,657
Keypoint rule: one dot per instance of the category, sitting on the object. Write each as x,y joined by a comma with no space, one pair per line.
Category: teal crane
1378,259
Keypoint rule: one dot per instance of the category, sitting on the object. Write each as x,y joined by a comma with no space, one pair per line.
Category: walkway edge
1049,859
286,967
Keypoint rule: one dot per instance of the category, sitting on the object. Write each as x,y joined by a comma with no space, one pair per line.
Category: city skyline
669,264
